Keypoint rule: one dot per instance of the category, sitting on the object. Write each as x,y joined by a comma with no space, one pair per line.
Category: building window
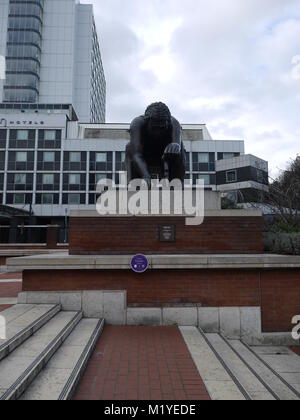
22,134
100,177
50,135
75,157
260,176
203,157
20,179
47,199
49,157
231,176
48,179
205,178
74,199
101,157
228,155
74,179
21,157
19,199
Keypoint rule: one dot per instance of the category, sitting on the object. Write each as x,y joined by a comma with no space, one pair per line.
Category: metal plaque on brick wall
167,233
139,263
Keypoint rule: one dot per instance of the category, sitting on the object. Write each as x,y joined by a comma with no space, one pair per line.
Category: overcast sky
232,64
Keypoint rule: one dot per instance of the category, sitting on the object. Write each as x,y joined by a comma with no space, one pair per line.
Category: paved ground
141,363
10,287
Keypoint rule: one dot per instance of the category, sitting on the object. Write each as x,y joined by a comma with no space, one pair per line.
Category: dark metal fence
31,234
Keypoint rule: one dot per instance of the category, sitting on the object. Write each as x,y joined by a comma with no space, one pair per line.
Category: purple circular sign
139,263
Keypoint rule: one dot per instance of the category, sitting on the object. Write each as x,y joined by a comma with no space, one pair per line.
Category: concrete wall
232,322
58,47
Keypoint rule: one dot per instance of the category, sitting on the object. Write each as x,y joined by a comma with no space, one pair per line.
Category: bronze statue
155,149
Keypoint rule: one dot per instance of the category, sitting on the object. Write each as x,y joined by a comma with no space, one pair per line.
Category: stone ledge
156,262
208,213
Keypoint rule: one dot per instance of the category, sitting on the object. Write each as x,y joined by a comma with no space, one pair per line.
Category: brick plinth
277,292
130,235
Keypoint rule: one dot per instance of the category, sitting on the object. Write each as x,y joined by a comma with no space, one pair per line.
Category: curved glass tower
23,55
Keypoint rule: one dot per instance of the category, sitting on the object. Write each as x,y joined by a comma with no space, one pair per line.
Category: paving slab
245,377
283,361
217,380
277,386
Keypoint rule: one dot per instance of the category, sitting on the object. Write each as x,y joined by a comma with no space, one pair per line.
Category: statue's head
158,117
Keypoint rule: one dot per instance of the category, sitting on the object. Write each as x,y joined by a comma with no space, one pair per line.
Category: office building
52,56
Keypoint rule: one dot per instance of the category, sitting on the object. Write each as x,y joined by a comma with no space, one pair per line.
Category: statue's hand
172,152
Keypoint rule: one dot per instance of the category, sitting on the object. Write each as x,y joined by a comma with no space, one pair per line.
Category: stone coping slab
10,252
156,262
208,213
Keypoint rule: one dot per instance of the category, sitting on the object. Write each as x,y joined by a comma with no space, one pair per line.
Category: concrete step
285,365
22,366
218,381
276,384
248,381
58,380
21,322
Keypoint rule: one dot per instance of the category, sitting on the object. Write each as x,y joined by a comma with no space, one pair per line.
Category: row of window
26,8
24,37
21,180
46,199
74,157
25,135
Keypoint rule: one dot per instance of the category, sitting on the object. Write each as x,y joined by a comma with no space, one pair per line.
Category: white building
52,56
52,162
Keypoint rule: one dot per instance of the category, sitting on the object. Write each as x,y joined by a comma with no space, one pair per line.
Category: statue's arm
137,148
173,150
176,131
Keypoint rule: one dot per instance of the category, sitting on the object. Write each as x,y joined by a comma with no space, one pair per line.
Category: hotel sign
32,121
7,123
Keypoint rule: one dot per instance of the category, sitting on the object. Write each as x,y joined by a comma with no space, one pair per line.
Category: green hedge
282,243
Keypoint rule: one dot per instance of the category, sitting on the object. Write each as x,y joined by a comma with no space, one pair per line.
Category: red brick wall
276,291
209,287
280,298
109,235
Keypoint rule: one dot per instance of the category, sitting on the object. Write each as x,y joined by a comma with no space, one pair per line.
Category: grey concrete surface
219,384
32,356
245,377
66,367
267,375
122,262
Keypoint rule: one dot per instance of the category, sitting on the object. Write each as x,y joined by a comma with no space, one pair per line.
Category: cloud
296,67
234,65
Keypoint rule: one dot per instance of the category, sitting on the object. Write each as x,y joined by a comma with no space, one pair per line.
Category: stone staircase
231,369
45,351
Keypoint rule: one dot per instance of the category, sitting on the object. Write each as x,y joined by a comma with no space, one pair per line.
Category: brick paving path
9,290
296,350
8,276
141,363
3,307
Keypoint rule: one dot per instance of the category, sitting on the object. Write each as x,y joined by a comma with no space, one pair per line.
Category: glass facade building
98,95
23,55
52,54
